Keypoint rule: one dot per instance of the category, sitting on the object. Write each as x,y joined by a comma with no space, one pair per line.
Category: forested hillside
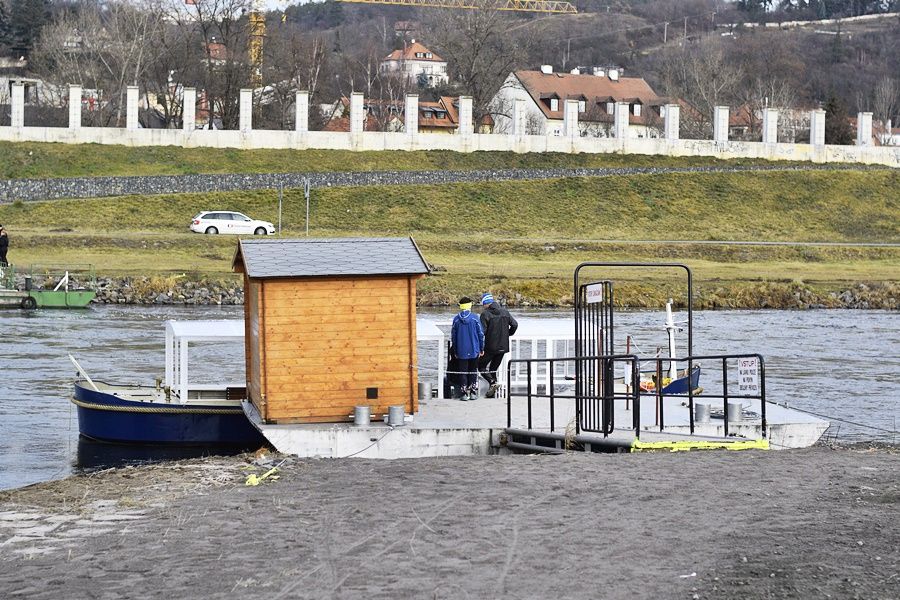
695,50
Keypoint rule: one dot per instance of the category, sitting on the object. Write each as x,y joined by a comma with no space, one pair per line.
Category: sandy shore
811,523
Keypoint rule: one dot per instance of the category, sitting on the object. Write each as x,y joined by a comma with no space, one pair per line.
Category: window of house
610,107
636,110
428,55
582,106
554,104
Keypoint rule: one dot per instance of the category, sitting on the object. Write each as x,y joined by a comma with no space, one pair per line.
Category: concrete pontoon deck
445,427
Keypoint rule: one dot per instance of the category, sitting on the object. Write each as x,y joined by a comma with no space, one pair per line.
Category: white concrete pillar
131,107
518,117
570,119
864,129
466,125
720,124
301,112
74,106
621,117
189,110
817,127
18,104
411,115
357,113
770,126
672,122
245,118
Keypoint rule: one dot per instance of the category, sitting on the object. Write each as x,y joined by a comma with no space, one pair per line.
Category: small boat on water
173,411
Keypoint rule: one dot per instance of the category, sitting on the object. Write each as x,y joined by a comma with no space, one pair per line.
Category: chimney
614,74
546,69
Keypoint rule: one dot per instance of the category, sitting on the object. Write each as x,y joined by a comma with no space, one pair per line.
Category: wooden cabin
330,325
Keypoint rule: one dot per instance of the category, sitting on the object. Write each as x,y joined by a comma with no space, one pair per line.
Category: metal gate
594,347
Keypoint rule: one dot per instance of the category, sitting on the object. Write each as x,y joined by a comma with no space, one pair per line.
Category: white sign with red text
748,375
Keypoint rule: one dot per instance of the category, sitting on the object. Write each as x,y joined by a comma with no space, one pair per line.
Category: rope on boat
839,420
159,410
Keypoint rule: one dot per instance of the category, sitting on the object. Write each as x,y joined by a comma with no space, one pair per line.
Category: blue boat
173,412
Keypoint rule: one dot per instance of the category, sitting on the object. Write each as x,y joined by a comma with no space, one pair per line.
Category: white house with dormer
418,64
597,90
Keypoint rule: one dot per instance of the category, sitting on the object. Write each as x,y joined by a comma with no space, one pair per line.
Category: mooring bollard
733,411
361,415
701,412
395,415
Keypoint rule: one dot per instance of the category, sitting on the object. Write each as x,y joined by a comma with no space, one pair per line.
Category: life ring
28,303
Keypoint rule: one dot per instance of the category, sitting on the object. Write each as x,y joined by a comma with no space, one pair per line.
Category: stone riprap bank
99,187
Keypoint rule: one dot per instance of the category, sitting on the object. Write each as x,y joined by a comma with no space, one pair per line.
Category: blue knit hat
486,299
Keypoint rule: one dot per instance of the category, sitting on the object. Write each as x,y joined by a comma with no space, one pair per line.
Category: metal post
762,393
528,376
508,396
724,393
306,193
552,406
660,410
280,202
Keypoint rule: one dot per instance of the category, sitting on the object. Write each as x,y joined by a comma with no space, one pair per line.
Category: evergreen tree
837,125
5,37
25,23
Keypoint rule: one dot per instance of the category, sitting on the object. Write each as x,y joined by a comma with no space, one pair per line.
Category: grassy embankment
523,239
38,160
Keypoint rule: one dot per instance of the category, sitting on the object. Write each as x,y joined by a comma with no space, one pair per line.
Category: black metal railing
594,389
711,390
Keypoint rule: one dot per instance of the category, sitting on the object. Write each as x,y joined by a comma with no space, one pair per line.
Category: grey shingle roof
323,257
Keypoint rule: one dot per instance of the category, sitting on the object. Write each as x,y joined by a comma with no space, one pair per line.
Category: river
844,364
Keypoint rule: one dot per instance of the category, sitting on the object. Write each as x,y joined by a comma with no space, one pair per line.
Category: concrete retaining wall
361,141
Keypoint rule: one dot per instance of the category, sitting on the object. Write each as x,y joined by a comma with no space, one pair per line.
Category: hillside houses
545,93
388,115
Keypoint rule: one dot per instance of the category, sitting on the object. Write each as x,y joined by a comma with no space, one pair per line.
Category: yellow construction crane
258,18
255,45
540,6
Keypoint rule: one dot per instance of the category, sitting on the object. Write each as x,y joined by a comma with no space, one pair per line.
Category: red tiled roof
409,53
595,89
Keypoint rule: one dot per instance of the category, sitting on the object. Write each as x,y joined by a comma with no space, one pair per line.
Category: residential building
419,65
597,93
388,115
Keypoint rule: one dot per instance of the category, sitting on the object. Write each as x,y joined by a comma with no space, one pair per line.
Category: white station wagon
222,221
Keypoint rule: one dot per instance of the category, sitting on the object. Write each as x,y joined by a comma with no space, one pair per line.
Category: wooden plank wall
325,340
252,345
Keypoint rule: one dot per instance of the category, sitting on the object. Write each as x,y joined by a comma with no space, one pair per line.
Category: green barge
30,298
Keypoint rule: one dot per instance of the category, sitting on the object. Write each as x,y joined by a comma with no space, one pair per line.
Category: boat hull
105,417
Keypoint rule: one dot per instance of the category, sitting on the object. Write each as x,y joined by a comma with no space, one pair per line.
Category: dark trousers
488,365
467,378
3,257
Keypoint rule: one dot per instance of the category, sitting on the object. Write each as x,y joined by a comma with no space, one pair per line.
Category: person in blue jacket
467,345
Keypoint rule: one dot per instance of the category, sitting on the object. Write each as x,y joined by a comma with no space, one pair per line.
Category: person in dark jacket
498,325
466,345
4,246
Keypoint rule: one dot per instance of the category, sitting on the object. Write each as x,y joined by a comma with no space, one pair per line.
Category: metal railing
593,390
596,389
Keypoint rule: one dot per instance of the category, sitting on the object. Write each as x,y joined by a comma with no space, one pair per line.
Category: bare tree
885,104
105,46
219,31
295,62
479,52
703,77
